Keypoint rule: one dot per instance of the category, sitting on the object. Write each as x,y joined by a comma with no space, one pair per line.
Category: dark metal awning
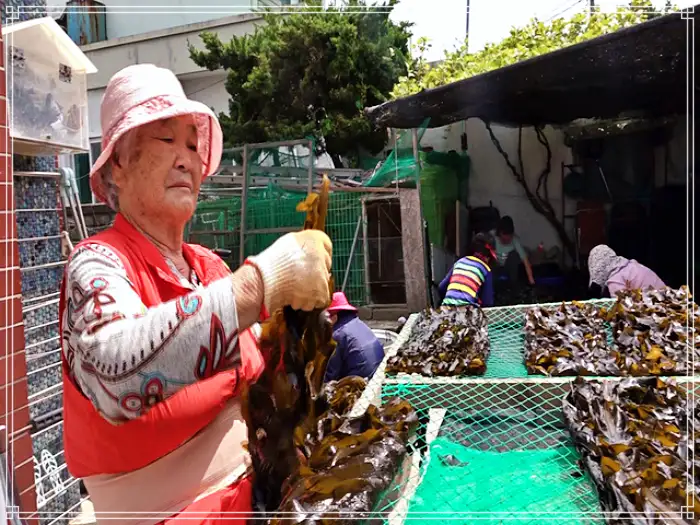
641,70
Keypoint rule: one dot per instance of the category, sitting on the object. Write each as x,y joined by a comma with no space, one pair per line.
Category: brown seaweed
352,460
286,396
637,438
308,457
567,340
656,332
448,341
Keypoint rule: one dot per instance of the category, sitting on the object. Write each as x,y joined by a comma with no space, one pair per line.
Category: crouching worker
470,281
156,334
616,273
358,352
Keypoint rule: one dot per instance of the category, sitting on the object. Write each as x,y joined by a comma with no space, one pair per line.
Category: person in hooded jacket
358,352
607,269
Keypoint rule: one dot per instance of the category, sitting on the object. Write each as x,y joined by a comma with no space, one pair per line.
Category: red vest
95,446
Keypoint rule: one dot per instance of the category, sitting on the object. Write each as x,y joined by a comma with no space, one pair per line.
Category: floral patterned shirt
125,357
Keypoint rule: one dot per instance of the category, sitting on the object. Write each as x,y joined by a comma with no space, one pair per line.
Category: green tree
310,73
534,39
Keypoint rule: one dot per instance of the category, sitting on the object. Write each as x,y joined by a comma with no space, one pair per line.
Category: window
83,163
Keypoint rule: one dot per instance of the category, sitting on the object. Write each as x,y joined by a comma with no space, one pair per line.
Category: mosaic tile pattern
46,404
22,163
33,9
34,253
36,193
40,316
38,283
37,224
67,500
57,490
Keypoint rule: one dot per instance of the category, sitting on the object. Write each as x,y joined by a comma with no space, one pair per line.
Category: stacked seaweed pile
637,438
448,341
568,340
653,333
654,330
351,460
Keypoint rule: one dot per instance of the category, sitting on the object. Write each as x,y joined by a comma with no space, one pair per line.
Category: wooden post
426,248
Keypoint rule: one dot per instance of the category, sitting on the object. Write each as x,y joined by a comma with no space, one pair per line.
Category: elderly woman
607,269
358,352
156,333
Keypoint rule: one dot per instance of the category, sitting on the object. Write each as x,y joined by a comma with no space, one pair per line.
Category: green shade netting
512,483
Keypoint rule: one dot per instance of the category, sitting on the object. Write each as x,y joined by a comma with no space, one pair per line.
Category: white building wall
165,14
492,181
166,48
208,89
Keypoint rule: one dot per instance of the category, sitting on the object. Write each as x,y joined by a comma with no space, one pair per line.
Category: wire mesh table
493,448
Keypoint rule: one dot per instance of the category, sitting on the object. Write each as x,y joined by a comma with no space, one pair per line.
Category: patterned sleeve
126,357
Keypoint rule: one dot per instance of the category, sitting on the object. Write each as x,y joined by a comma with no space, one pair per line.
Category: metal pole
311,166
467,33
244,204
352,252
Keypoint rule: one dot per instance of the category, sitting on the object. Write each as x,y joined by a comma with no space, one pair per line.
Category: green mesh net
400,165
443,179
489,449
271,212
469,481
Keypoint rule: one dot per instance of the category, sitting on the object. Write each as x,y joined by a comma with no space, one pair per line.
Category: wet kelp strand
567,340
309,458
637,438
350,461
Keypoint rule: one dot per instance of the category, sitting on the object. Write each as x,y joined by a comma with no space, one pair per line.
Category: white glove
295,271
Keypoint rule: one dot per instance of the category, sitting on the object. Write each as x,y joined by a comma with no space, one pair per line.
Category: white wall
208,89
94,101
167,48
492,181
166,14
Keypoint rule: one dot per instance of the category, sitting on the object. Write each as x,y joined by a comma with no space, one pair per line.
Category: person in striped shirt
470,281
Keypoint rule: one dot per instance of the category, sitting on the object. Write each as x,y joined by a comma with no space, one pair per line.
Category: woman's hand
295,271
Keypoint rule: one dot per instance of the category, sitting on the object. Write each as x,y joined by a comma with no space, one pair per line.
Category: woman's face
161,173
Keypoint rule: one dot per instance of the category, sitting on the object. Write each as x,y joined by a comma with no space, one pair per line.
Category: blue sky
444,21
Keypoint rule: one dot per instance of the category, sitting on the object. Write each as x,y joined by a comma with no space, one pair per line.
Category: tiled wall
22,9
14,409
39,226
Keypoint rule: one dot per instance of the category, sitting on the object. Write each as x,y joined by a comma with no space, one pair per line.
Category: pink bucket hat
142,94
340,303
